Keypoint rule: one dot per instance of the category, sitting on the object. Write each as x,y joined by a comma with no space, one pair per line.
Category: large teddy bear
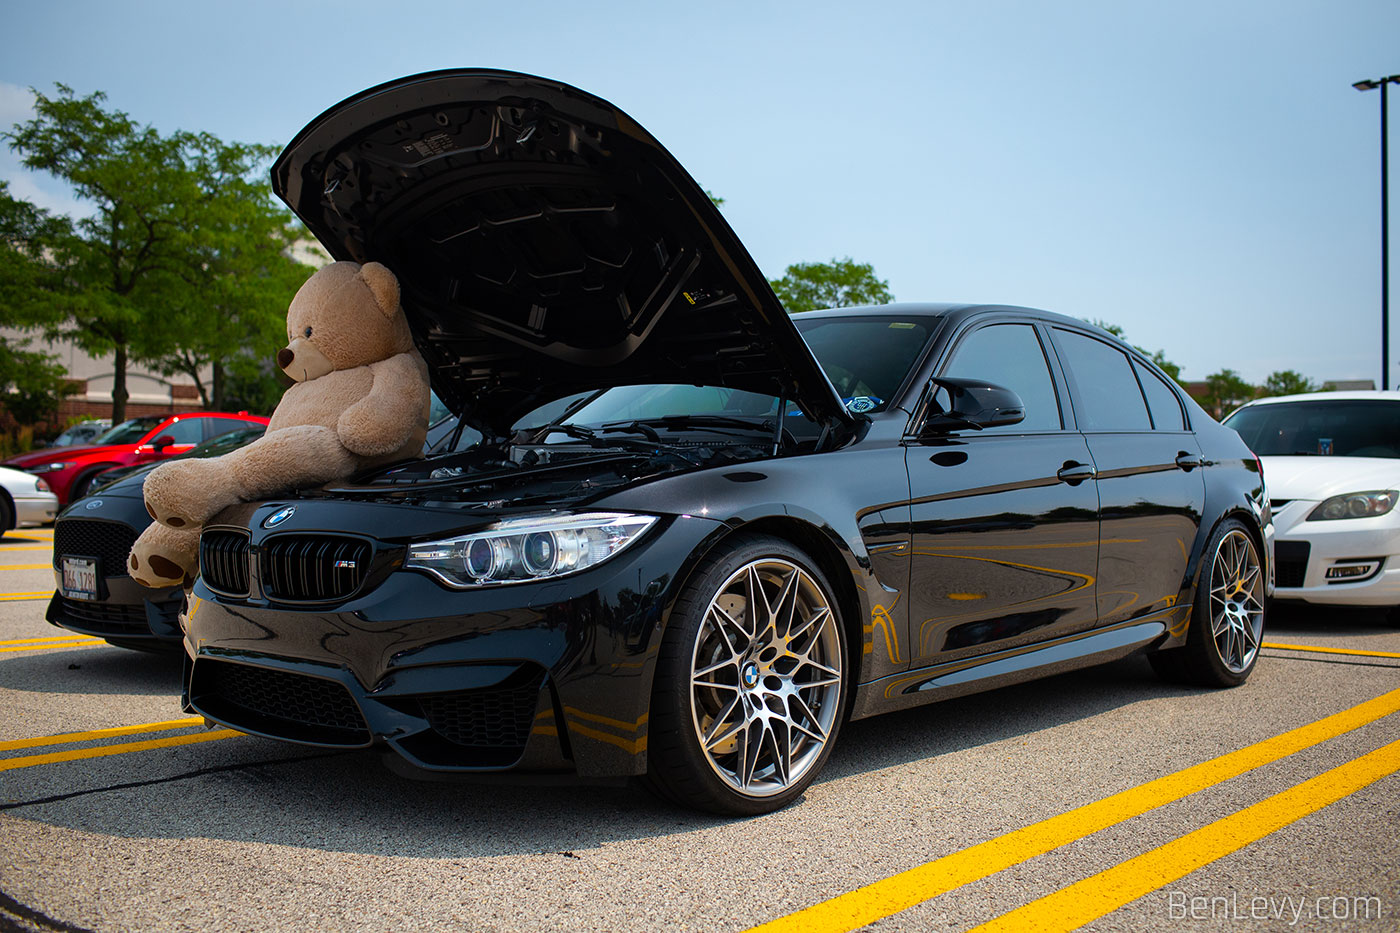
360,398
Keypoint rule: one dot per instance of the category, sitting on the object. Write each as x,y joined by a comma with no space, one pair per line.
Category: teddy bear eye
308,332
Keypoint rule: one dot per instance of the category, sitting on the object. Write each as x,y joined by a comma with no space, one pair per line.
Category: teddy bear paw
164,557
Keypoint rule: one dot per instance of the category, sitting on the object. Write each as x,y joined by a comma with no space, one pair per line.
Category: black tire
7,515
1227,617
789,697
82,484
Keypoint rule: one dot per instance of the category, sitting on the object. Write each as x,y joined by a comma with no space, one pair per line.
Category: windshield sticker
861,404
1324,446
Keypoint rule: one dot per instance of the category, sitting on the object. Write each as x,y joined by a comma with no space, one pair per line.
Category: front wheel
1227,623
751,682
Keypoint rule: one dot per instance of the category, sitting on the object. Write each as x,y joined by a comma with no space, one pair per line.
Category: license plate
80,577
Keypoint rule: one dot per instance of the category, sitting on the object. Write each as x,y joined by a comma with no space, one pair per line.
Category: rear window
1322,428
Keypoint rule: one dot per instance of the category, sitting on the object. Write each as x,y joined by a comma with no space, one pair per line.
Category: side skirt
973,675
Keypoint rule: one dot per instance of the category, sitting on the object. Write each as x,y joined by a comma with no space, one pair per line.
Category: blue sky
1200,173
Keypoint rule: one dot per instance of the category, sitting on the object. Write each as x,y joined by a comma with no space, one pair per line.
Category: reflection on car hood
545,244
60,454
1320,477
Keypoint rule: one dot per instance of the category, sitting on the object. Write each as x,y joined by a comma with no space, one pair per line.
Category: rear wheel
1227,624
82,484
7,515
751,682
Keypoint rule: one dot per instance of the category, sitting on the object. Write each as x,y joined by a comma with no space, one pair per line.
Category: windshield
129,432
866,358
1340,428
224,443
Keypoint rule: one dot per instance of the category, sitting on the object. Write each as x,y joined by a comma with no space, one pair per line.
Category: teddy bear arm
384,420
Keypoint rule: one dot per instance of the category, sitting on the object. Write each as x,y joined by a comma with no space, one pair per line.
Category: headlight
1354,505
524,549
40,485
49,467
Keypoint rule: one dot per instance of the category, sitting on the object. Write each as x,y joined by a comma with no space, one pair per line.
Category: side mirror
975,404
162,442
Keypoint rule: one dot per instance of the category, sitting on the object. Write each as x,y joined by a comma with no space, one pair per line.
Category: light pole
1385,227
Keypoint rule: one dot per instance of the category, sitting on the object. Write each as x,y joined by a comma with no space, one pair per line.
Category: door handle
1075,473
1189,461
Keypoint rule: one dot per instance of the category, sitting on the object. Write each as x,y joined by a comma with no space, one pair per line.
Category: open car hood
545,244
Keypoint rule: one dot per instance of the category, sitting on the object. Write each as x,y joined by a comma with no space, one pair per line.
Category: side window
185,431
1109,396
1010,355
216,427
1161,400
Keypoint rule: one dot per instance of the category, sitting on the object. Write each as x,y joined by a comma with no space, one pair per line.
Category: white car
26,500
1332,465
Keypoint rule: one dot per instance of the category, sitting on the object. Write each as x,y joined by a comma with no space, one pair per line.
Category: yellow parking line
44,595
66,738
34,641
122,748
26,566
1072,907
889,896
26,547
77,642
1367,654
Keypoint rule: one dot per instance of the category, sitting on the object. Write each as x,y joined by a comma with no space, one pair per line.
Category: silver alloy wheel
765,677
1236,601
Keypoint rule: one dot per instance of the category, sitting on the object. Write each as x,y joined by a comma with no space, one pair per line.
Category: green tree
1158,357
32,381
807,286
1288,382
175,220
1225,391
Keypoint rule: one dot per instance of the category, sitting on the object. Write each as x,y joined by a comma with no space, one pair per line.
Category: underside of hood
545,244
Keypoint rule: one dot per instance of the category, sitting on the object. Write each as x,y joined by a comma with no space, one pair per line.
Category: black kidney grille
313,568
108,541
278,696
493,717
223,561
1291,562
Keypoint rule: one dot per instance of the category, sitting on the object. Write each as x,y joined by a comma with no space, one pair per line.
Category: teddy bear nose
285,357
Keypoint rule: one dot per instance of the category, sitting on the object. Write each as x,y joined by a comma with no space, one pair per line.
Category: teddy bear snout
285,357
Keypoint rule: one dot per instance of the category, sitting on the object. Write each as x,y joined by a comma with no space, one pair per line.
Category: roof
1372,394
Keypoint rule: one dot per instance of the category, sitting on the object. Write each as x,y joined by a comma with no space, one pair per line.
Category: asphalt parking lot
1103,799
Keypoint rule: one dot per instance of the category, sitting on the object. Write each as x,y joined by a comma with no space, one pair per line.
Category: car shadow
104,670
1327,621
272,793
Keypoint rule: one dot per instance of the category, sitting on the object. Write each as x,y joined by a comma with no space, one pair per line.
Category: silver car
26,500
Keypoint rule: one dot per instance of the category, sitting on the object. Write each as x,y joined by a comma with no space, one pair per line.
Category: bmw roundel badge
278,517
94,504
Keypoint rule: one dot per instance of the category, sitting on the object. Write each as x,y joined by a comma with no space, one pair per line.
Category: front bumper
129,613
1306,552
548,677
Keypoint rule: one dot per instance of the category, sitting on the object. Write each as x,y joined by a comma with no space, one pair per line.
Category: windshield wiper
677,422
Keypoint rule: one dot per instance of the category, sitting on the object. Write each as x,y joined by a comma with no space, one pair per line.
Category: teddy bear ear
383,285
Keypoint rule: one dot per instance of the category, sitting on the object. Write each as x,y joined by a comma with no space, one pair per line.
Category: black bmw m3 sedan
697,534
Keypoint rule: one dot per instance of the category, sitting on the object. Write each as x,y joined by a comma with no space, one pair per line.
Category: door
1151,488
1004,520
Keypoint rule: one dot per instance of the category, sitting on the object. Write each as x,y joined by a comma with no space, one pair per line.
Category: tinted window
213,427
1109,397
1341,428
1010,355
188,431
1161,400
865,357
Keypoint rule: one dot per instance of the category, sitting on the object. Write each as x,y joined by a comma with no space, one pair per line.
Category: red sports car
69,471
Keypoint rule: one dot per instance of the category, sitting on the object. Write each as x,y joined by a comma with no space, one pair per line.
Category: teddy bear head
346,315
